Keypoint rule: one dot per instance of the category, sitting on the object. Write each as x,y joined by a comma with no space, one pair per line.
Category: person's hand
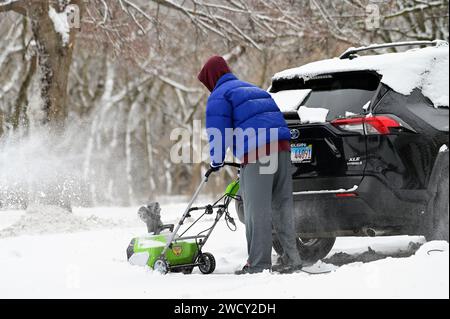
215,167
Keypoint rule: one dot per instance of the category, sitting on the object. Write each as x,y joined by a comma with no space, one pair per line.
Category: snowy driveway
89,261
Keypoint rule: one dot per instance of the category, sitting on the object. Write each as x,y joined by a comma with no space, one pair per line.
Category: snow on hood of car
426,69
289,100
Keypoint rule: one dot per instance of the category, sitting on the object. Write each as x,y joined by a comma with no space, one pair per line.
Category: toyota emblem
295,134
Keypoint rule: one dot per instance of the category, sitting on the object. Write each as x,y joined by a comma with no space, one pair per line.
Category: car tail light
355,124
370,125
346,195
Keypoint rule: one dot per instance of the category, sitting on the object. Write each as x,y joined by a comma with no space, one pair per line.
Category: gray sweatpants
268,202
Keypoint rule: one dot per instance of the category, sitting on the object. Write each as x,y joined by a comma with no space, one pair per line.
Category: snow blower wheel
161,266
207,263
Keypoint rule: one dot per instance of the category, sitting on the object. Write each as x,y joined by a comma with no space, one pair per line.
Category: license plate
301,153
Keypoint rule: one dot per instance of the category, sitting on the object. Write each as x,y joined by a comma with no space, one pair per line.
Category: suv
369,137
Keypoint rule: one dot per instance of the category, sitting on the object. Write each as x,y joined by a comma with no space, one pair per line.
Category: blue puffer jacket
242,116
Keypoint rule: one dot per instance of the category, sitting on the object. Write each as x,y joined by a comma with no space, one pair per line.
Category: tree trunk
54,41
20,111
54,60
1,123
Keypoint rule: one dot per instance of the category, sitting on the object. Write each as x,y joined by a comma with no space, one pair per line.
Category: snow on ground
51,219
89,261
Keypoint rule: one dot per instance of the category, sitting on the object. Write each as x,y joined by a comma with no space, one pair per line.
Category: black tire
440,208
161,266
208,263
310,250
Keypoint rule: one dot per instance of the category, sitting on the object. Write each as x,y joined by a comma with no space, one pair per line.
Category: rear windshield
342,94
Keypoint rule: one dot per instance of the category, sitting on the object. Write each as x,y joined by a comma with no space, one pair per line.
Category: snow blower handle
213,169
188,208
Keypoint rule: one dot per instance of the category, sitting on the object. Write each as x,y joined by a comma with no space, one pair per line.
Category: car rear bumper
374,206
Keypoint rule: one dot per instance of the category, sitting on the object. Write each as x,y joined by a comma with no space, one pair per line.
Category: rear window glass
342,94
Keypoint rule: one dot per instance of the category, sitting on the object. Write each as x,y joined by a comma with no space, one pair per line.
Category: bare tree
362,22
54,42
129,73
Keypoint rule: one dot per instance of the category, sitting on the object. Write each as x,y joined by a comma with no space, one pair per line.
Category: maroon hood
212,71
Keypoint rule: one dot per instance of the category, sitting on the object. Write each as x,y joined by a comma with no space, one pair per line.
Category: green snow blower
165,251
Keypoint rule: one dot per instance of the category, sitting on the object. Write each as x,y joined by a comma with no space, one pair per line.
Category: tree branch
18,6
419,7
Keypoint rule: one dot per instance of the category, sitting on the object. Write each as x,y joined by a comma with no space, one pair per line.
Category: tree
360,22
54,41
132,76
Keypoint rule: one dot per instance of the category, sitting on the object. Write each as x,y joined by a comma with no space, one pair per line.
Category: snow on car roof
426,69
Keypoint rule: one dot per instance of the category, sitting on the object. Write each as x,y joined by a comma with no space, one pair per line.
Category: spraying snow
40,168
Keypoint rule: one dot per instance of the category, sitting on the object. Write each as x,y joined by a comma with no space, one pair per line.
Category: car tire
310,250
438,229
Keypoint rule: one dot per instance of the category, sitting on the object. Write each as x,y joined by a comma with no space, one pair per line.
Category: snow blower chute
165,251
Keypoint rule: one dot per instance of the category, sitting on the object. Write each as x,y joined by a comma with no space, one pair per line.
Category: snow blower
165,251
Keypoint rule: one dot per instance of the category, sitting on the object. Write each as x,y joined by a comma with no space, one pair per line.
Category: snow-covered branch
178,85
423,5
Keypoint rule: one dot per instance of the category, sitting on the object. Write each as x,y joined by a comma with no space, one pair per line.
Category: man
246,118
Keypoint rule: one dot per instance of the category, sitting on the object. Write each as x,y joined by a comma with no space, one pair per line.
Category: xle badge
355,161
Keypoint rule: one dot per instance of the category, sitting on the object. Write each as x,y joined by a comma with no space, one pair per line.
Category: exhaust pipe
373,232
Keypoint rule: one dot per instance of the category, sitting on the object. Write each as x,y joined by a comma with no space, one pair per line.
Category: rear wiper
333,147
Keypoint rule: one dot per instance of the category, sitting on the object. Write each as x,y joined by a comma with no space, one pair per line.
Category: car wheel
311,250
439,225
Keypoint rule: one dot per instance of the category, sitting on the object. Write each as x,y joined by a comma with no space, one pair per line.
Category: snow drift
43,219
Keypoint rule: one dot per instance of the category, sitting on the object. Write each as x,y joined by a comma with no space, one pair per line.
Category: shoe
243,271
247,270
286,269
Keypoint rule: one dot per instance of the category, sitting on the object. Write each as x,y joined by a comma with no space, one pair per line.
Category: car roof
426,69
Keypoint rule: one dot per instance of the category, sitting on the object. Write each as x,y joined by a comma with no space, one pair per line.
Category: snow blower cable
228,219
